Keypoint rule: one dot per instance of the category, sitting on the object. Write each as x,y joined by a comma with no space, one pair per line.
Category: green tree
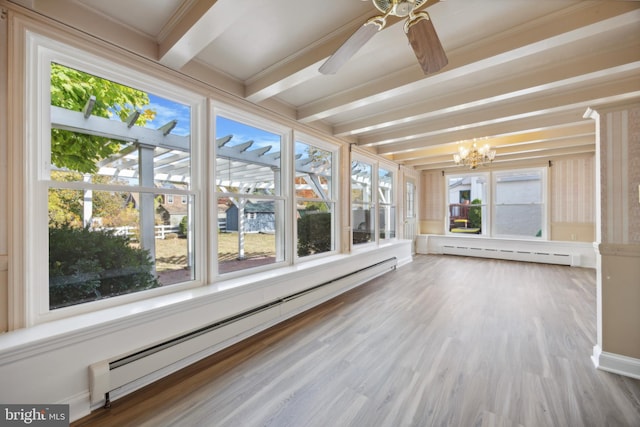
71,89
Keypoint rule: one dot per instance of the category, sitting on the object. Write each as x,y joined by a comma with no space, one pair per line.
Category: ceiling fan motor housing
399,8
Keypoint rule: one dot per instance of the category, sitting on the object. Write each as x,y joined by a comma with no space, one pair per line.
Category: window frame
41,52
334,199
283,241
489,224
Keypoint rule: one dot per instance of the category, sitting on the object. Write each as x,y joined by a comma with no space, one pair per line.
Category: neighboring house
173,209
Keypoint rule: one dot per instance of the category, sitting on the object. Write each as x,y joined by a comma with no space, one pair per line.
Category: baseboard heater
547,257
109,375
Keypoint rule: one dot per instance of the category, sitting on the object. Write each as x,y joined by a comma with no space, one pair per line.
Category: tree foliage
71,89
66,205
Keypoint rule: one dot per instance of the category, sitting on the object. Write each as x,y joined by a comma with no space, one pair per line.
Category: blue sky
243,133
168,110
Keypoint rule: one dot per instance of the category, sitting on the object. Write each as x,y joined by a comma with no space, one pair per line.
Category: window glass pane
387,212
248,232
362,207
518,187
385,186
98,248
247,160
519,220
387,222
361,181
104,132
519,207
315,228
363,226
467,198
107,243
410,198
313,172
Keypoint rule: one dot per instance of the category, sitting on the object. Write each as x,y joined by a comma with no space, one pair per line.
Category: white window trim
335,199
40,52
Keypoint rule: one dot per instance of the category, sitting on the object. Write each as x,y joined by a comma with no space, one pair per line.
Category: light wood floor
444,341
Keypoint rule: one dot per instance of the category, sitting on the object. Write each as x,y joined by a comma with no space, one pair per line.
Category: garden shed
258,217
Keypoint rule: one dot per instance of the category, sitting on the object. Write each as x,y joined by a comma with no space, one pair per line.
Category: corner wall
618,237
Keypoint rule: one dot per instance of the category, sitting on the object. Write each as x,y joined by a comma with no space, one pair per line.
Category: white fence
161,231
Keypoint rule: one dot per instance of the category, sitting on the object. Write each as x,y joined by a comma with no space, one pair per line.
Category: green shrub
314,233
475,214
182,227
87,265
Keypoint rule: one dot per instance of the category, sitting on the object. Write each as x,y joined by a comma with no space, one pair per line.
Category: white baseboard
78,405
616,363
575,254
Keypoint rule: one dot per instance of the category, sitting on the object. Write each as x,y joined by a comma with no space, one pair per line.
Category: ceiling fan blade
350,47
426,44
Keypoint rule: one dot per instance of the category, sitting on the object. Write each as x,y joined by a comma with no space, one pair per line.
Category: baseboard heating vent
107,376
514,255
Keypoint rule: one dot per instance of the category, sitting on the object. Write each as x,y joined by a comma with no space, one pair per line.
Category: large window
372,191
114,176
250,192
111,148
515,206
315,194
362,202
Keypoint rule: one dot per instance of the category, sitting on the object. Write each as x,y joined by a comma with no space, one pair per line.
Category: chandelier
474,156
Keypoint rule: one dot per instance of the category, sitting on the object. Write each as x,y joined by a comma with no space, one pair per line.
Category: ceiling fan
418,27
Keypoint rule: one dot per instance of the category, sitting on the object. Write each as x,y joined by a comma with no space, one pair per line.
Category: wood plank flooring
444,341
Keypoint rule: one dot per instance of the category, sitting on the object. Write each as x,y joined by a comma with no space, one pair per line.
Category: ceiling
520,77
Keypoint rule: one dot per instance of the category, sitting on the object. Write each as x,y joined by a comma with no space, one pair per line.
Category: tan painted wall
572,199
621,302
432,203
571,231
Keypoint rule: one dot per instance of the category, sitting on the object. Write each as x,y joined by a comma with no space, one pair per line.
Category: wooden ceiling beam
556,76
197,27
555,103
586,20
